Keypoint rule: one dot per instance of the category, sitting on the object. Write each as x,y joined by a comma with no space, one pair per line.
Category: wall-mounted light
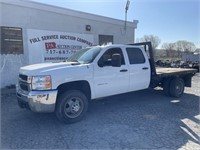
88,27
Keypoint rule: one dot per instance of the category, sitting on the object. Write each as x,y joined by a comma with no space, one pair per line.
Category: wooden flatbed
166,72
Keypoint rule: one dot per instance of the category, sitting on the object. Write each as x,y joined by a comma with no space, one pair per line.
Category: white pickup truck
99,71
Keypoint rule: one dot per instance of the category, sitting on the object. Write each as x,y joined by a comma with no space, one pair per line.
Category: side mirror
116,60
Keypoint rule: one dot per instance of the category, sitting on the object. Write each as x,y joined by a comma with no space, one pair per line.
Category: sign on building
52,46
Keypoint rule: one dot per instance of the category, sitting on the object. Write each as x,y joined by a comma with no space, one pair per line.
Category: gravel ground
139,120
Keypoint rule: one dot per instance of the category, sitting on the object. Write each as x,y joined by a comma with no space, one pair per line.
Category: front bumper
37,101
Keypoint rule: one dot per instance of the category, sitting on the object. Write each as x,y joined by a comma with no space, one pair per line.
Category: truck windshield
85,56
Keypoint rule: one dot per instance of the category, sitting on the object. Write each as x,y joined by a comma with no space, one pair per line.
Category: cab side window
106,58
135,56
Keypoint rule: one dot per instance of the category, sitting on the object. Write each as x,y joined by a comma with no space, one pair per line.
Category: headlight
41,83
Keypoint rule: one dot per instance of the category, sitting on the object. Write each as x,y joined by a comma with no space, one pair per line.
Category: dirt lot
139,120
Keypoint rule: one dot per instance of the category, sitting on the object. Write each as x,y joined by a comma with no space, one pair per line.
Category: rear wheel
71,106
176,87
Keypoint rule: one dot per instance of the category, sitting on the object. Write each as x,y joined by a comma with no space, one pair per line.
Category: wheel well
83,86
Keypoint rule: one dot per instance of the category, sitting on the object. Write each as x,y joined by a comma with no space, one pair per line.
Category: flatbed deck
164,72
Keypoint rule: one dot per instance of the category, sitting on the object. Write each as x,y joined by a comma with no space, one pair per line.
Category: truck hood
44,68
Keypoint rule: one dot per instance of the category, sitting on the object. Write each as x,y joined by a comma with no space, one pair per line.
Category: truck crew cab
94,72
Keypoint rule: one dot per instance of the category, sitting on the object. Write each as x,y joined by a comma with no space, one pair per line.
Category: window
105,39
11,40
107,56
135,56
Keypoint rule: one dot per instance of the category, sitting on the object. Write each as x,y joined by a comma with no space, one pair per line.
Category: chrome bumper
37,101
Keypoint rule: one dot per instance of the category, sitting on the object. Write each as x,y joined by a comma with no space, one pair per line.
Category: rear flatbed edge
165,72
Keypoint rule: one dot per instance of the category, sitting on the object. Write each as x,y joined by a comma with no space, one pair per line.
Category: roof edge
65,11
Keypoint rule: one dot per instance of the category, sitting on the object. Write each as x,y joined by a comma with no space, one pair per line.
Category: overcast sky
170,20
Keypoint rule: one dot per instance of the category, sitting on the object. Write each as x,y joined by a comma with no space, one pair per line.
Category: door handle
145,68
123,70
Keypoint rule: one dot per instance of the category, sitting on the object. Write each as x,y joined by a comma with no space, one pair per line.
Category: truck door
110,80
139,68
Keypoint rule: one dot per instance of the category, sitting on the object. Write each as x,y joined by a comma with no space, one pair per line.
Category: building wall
32,15
10,65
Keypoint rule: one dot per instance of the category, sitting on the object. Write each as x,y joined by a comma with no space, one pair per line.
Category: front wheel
71,106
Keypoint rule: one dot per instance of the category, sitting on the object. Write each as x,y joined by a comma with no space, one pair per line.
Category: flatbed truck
95,72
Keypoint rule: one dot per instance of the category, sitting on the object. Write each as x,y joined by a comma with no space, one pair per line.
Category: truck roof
118,45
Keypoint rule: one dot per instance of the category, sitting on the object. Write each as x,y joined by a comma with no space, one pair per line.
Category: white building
33,33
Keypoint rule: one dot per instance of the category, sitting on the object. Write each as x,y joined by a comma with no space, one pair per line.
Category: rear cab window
135,55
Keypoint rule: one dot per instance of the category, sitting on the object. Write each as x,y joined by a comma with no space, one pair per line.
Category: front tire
71,106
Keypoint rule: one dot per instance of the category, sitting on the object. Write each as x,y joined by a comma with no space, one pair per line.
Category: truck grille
23,77
24,86
23,83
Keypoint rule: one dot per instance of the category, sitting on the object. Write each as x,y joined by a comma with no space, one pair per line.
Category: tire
71,106
166,87
176,87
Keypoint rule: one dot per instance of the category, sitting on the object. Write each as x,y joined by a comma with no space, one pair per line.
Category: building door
105,39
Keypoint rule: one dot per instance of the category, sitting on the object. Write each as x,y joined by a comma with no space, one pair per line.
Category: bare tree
180,47
169,47
155,40
184,46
